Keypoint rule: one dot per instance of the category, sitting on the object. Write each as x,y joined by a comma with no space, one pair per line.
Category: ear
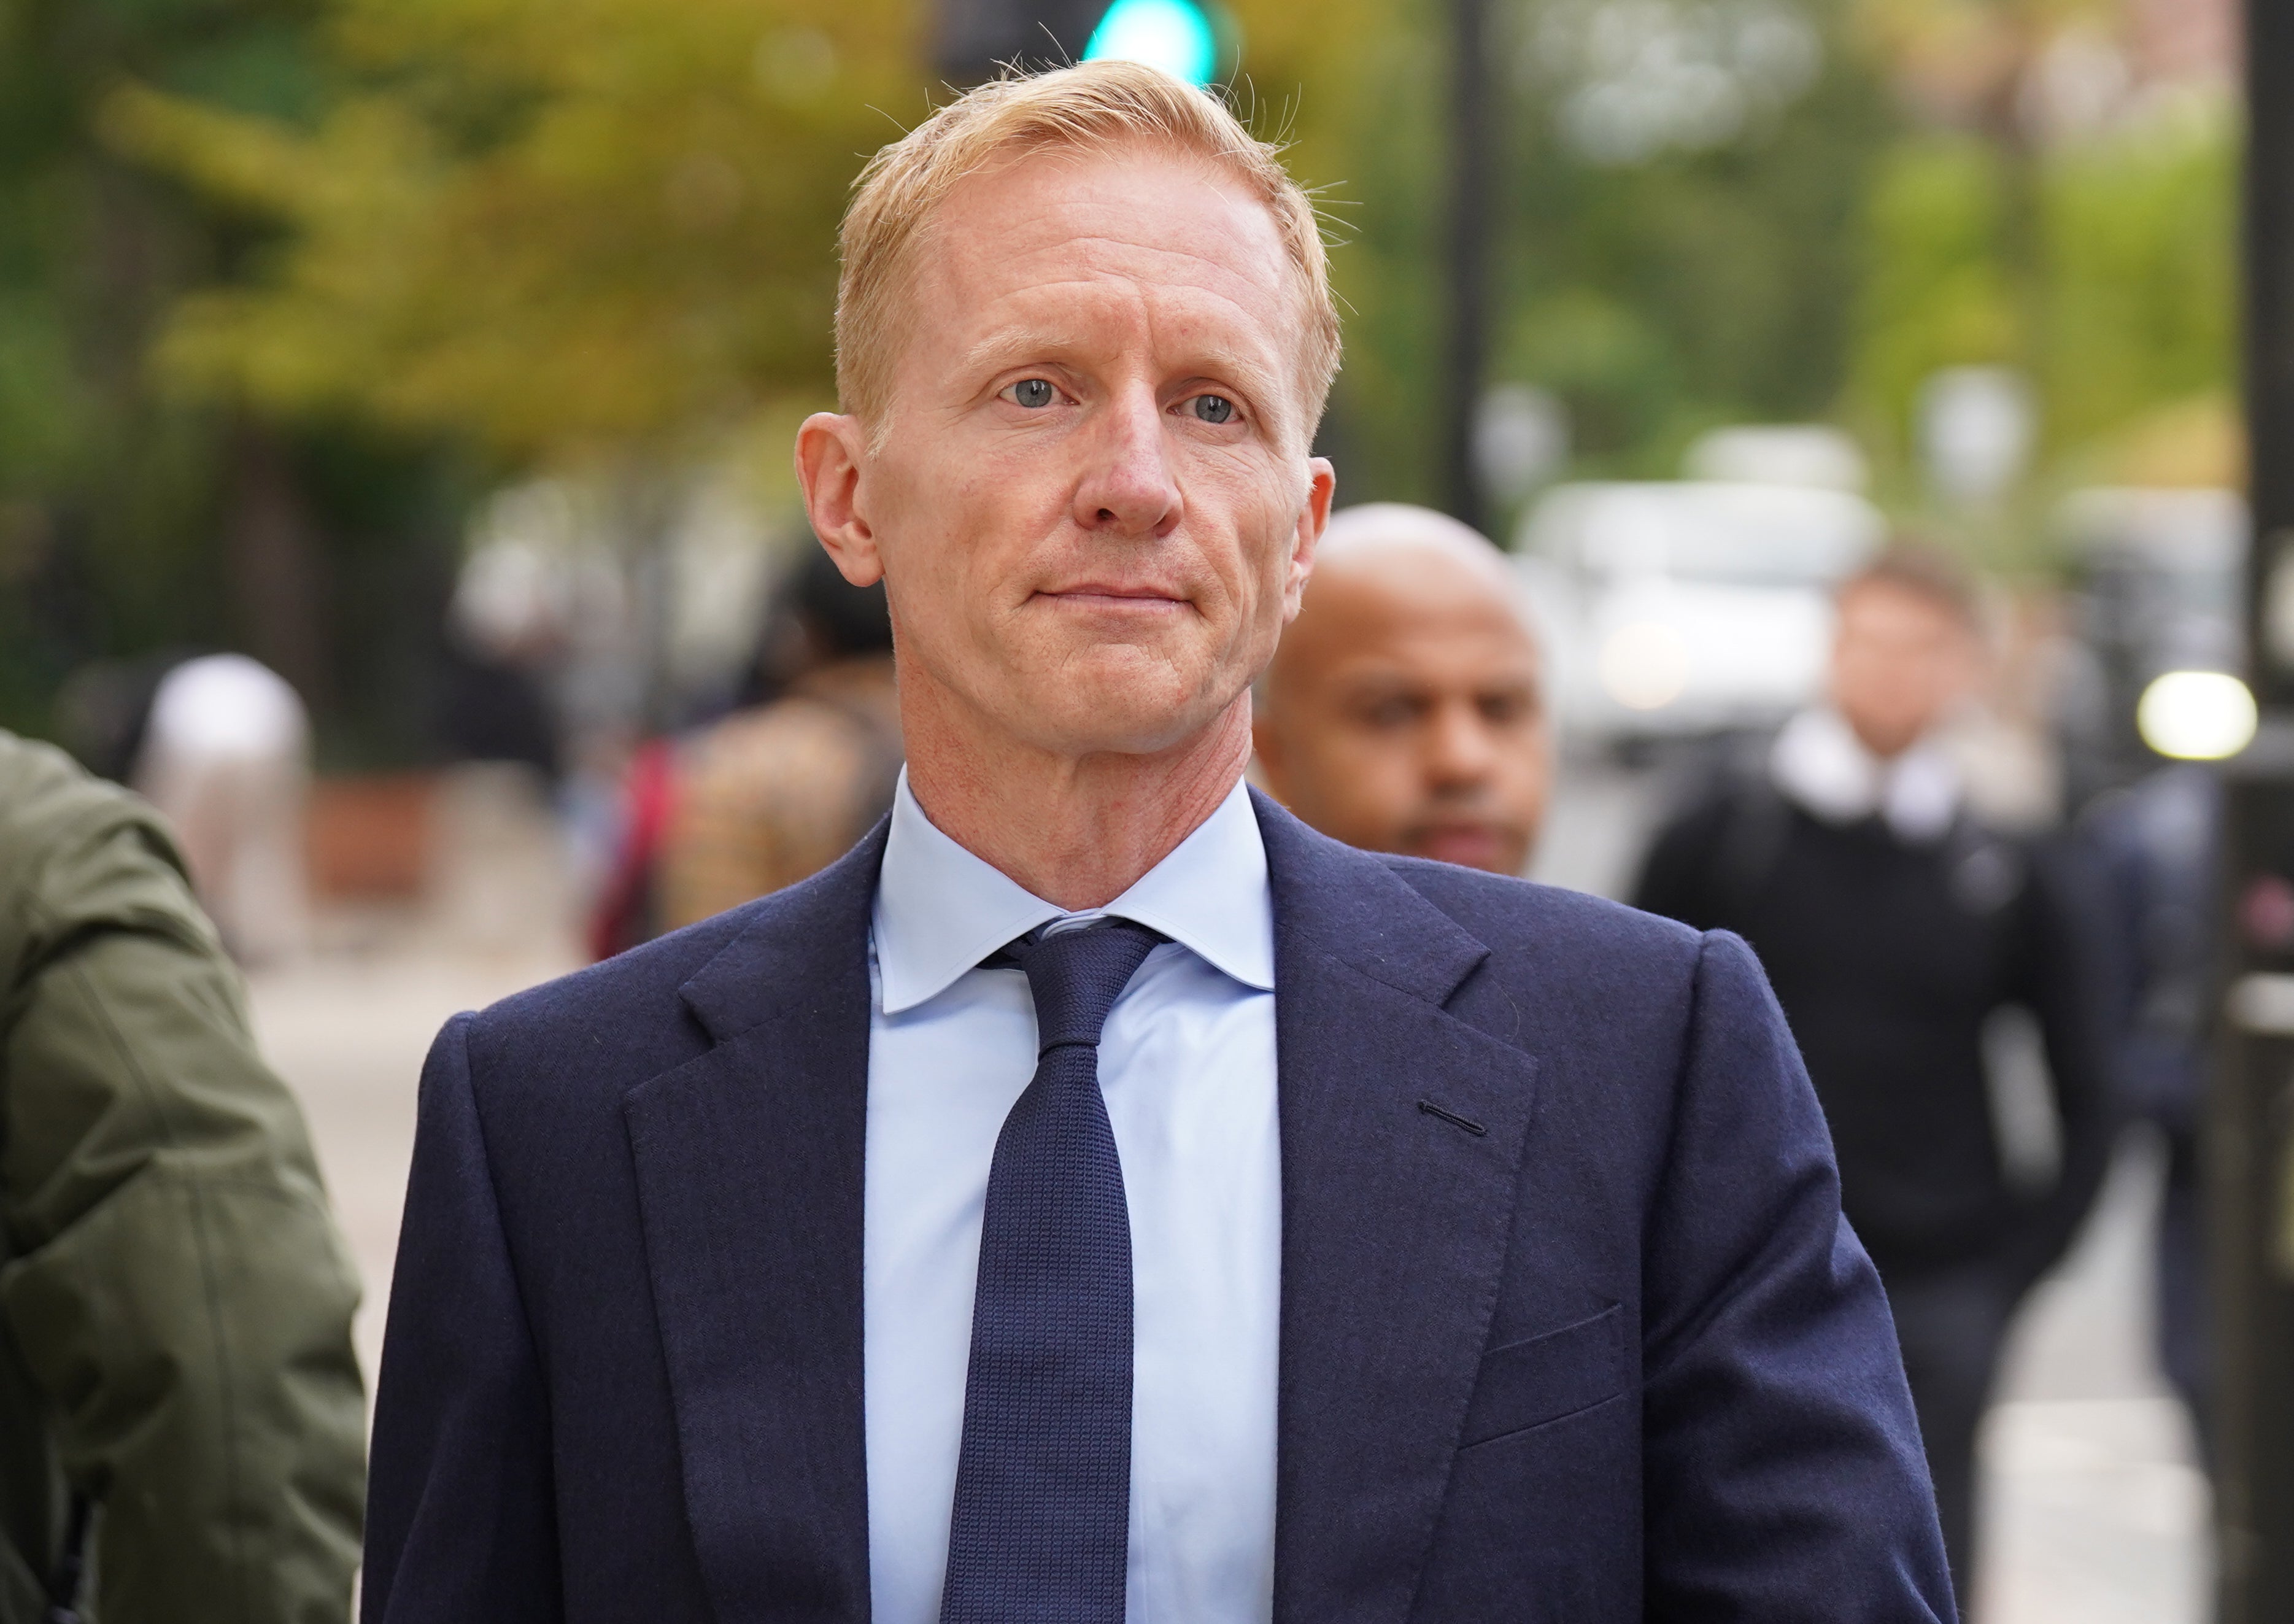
1314,518
832,451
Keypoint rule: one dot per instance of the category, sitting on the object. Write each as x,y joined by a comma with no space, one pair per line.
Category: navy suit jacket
1572,1327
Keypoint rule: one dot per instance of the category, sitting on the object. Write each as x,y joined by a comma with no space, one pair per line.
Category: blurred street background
440,359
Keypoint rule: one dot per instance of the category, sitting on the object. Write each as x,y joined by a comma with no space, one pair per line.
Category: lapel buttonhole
1453,1119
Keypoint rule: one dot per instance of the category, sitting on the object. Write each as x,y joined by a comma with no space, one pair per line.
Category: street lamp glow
1173,35
2196,715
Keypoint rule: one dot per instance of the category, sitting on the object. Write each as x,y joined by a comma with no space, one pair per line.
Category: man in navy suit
1098,1198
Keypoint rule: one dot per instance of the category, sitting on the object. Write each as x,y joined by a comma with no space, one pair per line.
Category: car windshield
1748,536
2185,547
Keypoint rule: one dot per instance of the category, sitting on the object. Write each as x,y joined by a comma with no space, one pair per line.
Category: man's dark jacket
1890,956
1571,1326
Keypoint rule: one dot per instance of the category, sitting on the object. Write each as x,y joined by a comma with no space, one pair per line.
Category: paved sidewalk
2096,1516
2097,1513
350,1034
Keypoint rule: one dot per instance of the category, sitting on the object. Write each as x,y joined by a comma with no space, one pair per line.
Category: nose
1129,487
1459,753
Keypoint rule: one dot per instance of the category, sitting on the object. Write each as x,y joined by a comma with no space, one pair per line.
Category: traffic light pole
2250,1138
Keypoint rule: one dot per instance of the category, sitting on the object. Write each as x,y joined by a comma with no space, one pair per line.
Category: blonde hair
1094,107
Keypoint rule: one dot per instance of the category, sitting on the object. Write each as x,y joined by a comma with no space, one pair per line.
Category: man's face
1900,663
1406,717
1091,500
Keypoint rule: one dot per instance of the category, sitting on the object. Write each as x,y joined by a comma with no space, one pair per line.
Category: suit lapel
750,1163
1395,1216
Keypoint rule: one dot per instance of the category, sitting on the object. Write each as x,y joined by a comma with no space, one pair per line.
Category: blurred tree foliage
2126,309
1698,274
1355,88
1660,271
604,227
1731,211
2141,235
130,518
2053,212
276,274
569,229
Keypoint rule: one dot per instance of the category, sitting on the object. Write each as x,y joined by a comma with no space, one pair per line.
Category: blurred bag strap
71,1563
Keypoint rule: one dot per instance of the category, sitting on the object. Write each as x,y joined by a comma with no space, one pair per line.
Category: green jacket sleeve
174,1287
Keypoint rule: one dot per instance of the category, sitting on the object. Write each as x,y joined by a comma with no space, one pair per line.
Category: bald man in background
1405,710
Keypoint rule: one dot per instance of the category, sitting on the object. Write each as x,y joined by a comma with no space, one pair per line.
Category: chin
1117,697
1132,714
1115,728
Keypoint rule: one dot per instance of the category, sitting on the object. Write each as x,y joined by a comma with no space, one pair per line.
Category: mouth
1473,845
1115,597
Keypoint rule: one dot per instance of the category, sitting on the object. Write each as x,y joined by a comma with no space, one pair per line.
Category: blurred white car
1675,610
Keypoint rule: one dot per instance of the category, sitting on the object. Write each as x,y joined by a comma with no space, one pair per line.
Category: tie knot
1075,975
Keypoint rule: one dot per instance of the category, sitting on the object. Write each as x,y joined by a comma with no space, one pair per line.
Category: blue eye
1213,408
1033,393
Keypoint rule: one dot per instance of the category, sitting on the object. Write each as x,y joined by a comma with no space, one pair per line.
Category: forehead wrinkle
1087,206
1235,288
1240,292
1242,247
1111,216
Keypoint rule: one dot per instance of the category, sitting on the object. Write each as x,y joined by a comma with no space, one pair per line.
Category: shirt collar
1818,762
939,909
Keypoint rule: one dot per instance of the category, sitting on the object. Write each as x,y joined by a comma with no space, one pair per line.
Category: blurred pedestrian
1405,710
504,628
1894,926
782,787
180,1416
226,758
104,709
779,788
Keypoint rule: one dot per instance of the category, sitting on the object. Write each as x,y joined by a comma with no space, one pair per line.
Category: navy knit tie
1040,1531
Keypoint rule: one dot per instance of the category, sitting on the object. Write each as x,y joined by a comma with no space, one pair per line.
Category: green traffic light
1175,36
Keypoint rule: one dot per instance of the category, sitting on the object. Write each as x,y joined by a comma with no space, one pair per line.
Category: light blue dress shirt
1187,1065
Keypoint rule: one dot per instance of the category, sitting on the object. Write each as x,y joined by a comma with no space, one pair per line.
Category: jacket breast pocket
1544,1378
